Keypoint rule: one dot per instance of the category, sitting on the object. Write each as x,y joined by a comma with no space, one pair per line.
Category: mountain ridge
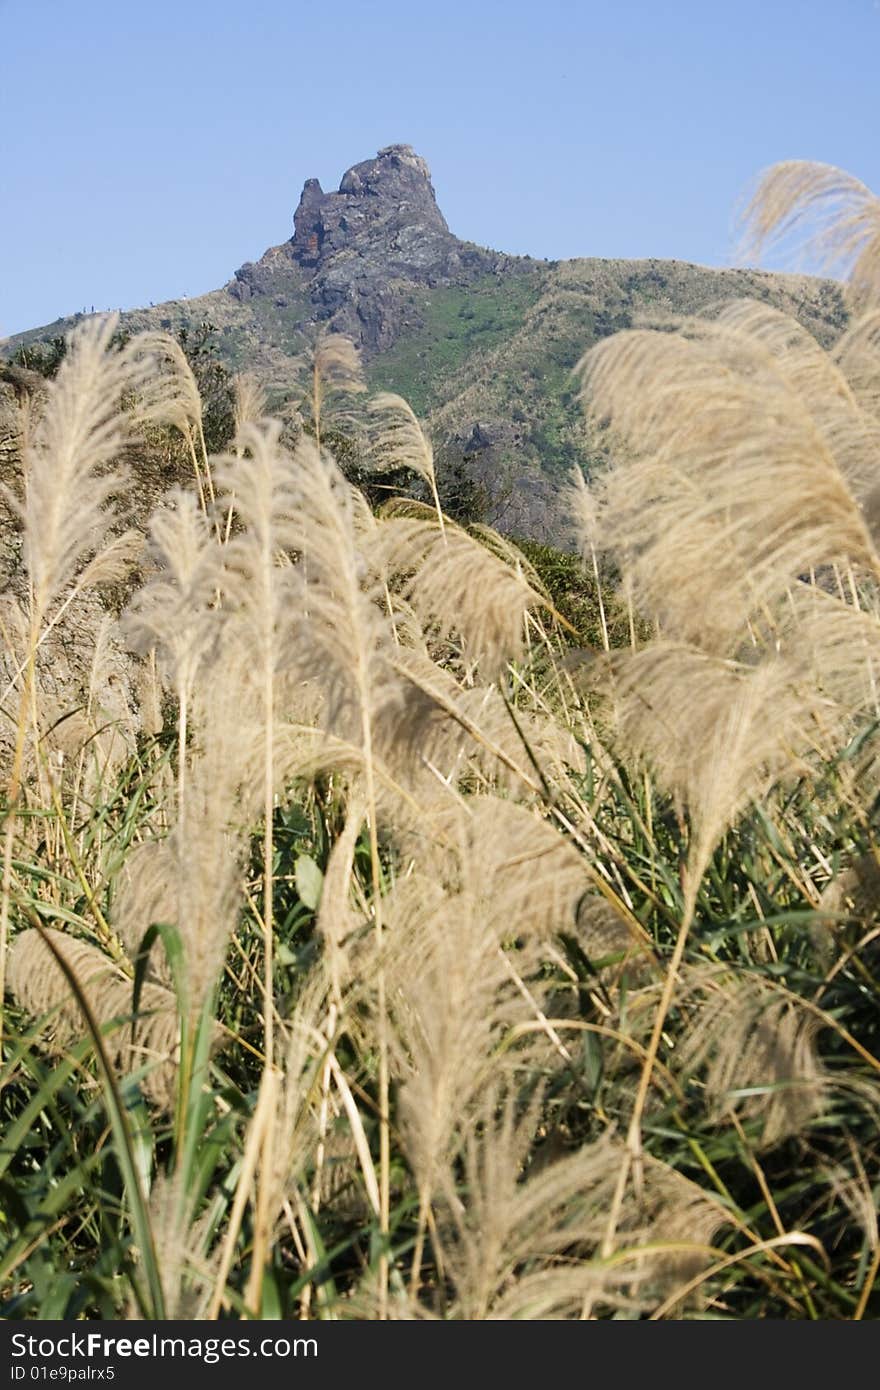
482,343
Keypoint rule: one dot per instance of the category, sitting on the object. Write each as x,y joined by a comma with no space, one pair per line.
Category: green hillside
481,344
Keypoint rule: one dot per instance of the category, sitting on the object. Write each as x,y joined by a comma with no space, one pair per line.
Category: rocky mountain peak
361,253
387,201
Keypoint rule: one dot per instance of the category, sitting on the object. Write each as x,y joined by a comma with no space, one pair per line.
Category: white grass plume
399,440
742,457
342,637
716,733
182,1239
210,842
72,463
836,216
192,879
495,875
40,987
857,354
526,1242
336,370
169,393
466,737
458,587
171,612
757,1050
258,579
145,893
249,400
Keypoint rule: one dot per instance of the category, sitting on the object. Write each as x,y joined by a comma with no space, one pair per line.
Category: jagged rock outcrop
385,203
360,250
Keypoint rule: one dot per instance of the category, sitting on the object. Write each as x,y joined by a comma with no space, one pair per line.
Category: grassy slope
525,378
499,352
452,326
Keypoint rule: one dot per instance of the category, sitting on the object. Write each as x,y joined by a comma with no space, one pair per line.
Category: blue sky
147,150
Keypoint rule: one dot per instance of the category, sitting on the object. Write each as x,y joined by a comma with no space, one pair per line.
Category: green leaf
309,880
123,1143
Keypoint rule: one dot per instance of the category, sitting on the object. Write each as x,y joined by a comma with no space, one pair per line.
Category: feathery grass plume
348,969
508,551
249,400
679,1219
277,616
81,712
170,394
464,737
249,407
857,354
529,876
302,1048
855,1193
186,1264
716,733
259,585
856,891
171,612
509,1245
523,1242
449,1016
172,616
15,656
336,369
146,893
836,216
113,724
39,986
742,465
457,586
733,479
606,938
88,744
400,442
342,639
337,918
210,841
71,461
193,878
844,415
149,697
494,875
71,472
280,1140
853,896
838,646
172,397
757,1049
258,578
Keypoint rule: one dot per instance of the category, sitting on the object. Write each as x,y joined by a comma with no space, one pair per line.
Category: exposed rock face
360,248
388,203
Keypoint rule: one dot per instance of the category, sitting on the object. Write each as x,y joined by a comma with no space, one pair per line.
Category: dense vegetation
442,927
